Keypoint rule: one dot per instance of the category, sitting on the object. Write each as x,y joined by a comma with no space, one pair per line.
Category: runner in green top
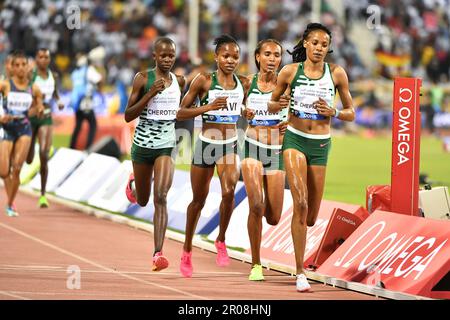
306,143
263,178
43,77
155,99
222,95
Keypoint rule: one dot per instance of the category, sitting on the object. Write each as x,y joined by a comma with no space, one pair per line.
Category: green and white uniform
47,87
235,96
306,91
257,100
155,132
207,151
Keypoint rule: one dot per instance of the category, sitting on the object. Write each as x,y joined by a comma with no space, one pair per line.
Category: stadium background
374,41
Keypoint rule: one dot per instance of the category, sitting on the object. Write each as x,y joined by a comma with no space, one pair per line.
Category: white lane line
13,295
29,267
84,294
155,274
73,255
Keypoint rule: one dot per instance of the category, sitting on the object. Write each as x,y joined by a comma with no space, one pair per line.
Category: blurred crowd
415,34
412,38
127,29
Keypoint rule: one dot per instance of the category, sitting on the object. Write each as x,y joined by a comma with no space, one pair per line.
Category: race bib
18,102
304,99
259,103
164,106
231,113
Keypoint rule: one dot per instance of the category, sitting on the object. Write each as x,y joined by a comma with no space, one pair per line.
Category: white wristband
337,113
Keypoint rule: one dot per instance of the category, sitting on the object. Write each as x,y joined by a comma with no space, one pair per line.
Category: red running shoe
159,262
129,191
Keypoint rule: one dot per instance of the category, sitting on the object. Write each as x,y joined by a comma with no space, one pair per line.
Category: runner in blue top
221,94
21,100
307,141
155,99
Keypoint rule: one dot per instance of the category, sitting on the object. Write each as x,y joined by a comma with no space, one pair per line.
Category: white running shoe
302,283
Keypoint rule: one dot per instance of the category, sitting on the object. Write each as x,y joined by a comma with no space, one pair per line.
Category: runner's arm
37,108
4,118
247,113
187,108
275,105
181,82
56,93
348,112
138,98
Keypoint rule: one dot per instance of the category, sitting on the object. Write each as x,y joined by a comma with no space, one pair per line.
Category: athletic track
42,249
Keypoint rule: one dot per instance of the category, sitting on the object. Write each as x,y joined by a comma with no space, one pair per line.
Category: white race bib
164,105
18,102
234,102
304,99
259,103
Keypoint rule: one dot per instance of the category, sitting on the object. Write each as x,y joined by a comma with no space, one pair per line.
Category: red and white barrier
397,252
276,243
405,147
341,225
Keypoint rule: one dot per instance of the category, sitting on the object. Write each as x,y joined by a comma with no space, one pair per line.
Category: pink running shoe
129,191
222,259
159,262
186,264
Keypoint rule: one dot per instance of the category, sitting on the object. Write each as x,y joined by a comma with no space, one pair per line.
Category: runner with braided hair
307,141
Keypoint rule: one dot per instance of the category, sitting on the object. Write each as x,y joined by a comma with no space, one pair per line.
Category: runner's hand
6,118
282,126
323,108
60,105
157,87
248,114
218,103
284,101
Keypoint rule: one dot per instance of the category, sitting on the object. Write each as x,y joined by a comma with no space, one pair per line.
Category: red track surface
38,247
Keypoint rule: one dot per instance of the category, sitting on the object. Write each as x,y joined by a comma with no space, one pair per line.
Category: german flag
392,60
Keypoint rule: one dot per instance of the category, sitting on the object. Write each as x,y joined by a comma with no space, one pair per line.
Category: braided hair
224,39
299,52
259,46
